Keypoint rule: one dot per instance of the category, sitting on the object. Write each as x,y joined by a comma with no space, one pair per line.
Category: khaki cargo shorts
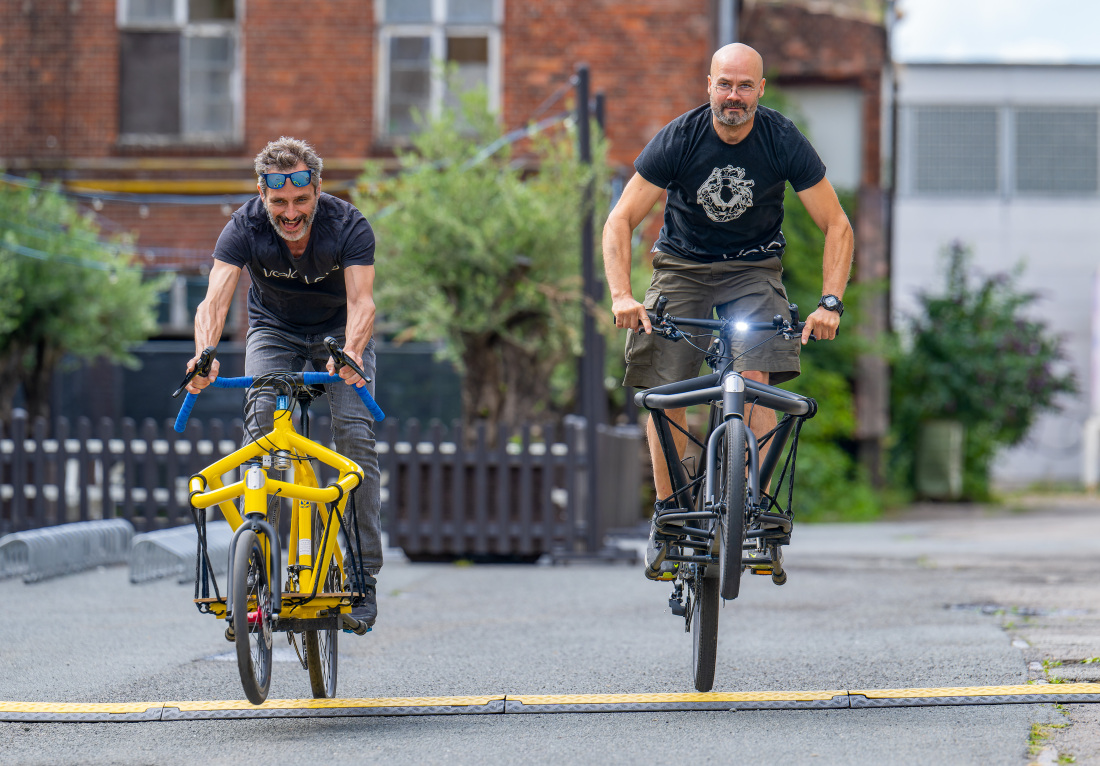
747,290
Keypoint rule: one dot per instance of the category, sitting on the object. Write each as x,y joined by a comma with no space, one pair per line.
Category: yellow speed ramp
501,704
611,703
975,695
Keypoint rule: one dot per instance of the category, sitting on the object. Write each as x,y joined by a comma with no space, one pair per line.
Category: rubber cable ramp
61,712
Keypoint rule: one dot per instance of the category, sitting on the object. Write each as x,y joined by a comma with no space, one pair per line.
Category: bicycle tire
731,520
704,632
321,647
252,630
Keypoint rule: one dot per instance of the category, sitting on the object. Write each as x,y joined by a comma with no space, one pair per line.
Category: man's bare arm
823,206
638,198
361,310
210,318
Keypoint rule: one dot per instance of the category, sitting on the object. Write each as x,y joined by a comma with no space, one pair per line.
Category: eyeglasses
742,90
277,180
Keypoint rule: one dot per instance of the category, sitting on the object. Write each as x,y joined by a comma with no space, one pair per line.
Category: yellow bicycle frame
207,490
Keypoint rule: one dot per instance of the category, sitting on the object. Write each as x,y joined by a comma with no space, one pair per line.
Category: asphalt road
922,602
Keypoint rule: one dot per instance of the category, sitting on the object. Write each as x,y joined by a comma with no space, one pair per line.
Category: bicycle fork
255,507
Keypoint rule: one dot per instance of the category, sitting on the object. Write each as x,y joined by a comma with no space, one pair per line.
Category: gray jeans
269,350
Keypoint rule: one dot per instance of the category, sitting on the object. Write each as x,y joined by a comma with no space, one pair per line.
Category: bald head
737,56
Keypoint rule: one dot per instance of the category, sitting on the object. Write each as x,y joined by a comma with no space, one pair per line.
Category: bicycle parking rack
172,552
38,554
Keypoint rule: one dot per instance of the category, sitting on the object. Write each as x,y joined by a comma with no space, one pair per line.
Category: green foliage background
63,290
482,251
973,355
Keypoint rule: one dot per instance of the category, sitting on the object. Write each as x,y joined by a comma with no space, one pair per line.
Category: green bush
971,355
64,290
830,483
482,253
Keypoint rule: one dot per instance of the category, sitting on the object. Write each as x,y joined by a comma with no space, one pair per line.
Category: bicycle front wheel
704,631
731,520
252,616
321,648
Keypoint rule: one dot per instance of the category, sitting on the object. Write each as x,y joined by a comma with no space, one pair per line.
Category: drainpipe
727,21
1091,472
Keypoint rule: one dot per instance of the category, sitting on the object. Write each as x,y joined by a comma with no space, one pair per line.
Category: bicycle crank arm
353,625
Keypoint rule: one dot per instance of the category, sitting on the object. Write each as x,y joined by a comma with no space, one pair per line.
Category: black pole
592,400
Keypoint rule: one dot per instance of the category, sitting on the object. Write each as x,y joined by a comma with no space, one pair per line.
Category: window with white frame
179,74
429,52
1056,150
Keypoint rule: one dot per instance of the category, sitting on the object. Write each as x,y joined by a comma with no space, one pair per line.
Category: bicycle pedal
230,636
761,571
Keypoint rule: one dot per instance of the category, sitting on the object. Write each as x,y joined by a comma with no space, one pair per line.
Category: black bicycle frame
734,391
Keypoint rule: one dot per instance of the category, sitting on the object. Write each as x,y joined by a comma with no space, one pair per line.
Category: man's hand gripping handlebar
201,369
341,359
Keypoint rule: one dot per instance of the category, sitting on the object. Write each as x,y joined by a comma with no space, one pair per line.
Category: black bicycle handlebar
340,358
201,368
668,325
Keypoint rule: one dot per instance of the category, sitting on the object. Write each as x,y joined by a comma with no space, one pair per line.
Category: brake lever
339,358
202,369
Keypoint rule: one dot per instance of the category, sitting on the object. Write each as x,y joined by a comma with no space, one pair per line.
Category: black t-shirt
726,200
305,295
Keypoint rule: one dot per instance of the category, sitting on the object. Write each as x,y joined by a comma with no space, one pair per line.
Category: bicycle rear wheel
321,648
252,617
704,631
731,521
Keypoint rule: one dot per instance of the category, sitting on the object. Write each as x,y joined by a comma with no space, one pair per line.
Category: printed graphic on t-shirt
726,194
295,274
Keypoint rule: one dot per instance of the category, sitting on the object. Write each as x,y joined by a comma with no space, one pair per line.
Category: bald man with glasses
722,170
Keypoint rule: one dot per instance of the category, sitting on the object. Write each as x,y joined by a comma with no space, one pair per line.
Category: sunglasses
278,180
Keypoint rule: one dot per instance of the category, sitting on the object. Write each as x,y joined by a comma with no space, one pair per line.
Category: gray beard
734,121
282,232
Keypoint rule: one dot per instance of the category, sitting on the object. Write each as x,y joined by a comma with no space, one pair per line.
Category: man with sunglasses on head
310,257
722,168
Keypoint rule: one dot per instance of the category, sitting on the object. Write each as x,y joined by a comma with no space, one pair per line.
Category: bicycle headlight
741,326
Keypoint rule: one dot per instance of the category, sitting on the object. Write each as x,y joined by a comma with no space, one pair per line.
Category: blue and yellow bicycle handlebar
306,378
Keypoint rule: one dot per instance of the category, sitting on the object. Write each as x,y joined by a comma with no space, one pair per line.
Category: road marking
502,704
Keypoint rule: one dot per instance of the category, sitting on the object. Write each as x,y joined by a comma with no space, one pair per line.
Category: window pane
410,49
468,50
1056,150
401,122
410,82
408,11
208,107
470,11
956,150
150,10
149,82
207,10
208,52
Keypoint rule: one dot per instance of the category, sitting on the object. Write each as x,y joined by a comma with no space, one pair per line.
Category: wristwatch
832,303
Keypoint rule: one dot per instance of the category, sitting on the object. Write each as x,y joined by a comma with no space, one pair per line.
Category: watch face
829,302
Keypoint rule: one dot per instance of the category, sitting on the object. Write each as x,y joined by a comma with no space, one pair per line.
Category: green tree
63,290
973,354
481,249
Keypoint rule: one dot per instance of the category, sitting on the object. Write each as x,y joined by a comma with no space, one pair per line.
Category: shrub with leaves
63,290
483,253
973,354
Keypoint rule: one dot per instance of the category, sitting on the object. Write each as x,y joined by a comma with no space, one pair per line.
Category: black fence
445,493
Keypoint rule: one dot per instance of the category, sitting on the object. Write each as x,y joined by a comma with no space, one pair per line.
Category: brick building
144,105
